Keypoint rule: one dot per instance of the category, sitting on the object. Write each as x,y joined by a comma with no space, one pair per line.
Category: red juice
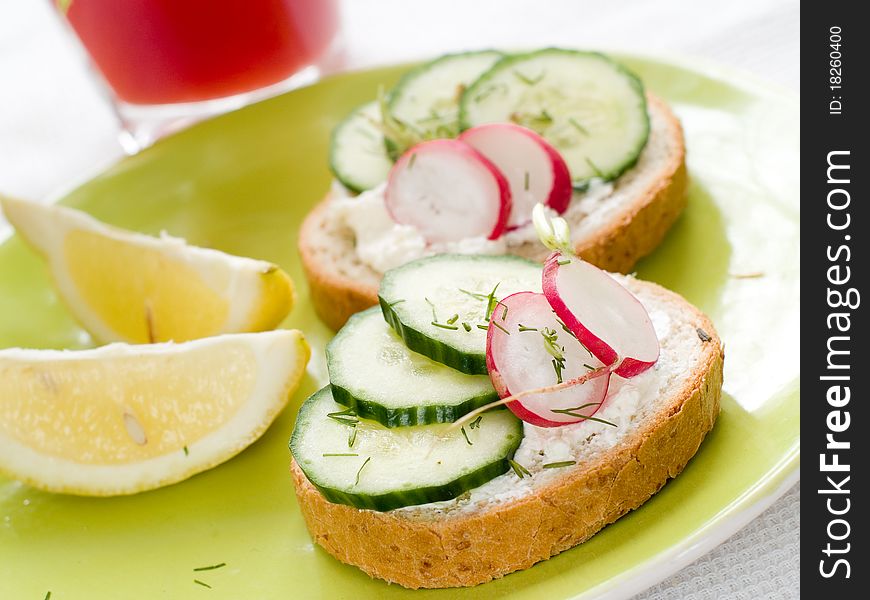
167,51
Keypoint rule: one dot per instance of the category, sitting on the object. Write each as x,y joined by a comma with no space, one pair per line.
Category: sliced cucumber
386,468
372,371
357,156
439,305
426,99
590,108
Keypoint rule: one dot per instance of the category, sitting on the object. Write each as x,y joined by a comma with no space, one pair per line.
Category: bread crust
632,233
466,549
335,296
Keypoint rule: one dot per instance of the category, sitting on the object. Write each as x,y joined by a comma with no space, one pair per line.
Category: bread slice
510,524
612,233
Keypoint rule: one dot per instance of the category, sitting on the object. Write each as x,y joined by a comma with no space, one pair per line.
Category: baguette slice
487,534
612,234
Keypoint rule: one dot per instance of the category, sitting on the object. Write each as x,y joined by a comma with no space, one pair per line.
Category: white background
55,127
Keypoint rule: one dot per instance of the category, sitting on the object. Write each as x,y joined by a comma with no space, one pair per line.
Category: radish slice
448,191
605,316
534,169
520,360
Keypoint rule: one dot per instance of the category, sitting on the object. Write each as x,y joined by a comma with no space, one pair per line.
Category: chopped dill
475,295
211,567
571,412
345,417
519,469
578,126
529,80
365,462
558,365
595,169
491,301
465,435
500,327
561,463
434,314
202,583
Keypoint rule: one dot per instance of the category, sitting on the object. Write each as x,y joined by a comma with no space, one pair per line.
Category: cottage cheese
383,244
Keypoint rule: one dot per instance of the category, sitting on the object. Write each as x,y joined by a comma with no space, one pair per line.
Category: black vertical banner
834,195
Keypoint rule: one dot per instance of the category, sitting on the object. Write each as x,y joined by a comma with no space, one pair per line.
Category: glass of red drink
171,62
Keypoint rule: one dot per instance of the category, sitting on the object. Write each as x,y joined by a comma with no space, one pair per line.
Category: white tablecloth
55,127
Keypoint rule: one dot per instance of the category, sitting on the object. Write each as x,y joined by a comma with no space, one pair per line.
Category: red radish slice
449,192
534,169
518,360
605,316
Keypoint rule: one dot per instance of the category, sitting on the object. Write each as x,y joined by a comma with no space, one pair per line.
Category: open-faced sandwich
456,155
408,465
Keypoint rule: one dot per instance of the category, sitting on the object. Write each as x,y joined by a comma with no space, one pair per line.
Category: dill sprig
211,567
578,126
529,80
522,328
365,462
345,417
202,583
466,326
552,347
340,454
445,326
496,323
598,172
475,423
434,314
572,412
475,295
465,435
491,301
558,366
560,464
519,469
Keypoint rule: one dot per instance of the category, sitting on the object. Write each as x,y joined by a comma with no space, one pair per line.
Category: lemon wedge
126,418
129,287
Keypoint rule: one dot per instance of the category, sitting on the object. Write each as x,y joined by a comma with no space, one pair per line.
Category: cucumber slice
426,99
372,371
590,108
357,156
389,468
420,299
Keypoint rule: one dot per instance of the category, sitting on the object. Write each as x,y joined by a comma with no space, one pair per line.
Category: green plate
243,182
